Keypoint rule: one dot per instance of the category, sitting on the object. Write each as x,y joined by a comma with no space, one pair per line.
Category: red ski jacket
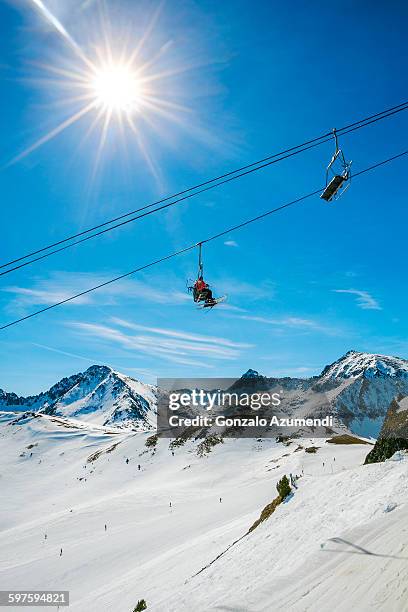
200,285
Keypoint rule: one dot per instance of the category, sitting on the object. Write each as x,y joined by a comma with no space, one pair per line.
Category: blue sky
304,286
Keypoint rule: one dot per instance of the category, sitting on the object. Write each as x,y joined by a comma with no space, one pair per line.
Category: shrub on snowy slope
284,491
206,445
283,487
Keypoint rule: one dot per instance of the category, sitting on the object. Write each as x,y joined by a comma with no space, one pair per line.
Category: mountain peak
369,365
99,395
251,374
96,369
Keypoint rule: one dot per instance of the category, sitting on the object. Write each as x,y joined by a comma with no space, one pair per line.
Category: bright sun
117,88
127,90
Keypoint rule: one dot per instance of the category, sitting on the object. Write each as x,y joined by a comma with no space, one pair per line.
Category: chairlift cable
192,246
195,190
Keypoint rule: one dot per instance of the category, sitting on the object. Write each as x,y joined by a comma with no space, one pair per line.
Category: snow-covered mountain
368,365
358,388
362,386
99,396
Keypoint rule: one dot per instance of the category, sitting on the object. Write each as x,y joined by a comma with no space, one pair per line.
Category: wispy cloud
61,285
58,287
180,334
43,295
291,322
149,293
147,374
232,307
242,289
231,243
171,345
364,300
66,353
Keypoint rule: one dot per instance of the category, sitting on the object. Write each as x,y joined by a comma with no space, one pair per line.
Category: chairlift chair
191,283
341,180
205,293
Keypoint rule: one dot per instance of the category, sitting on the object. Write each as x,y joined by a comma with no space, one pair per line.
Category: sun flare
123,85
117,88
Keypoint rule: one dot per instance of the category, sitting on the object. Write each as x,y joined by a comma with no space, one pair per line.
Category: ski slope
152,551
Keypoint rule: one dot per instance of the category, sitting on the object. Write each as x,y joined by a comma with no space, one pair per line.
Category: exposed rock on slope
394,432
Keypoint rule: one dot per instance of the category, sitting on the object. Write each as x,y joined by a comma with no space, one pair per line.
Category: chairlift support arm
200,260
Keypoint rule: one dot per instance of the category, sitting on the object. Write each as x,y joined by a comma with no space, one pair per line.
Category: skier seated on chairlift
202,291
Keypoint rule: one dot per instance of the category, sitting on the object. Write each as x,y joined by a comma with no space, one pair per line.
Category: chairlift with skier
201,290
338,174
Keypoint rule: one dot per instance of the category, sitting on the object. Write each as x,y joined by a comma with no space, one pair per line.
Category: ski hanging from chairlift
339,170
201,290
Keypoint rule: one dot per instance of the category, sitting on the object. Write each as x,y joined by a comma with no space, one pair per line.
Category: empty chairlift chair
338,175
